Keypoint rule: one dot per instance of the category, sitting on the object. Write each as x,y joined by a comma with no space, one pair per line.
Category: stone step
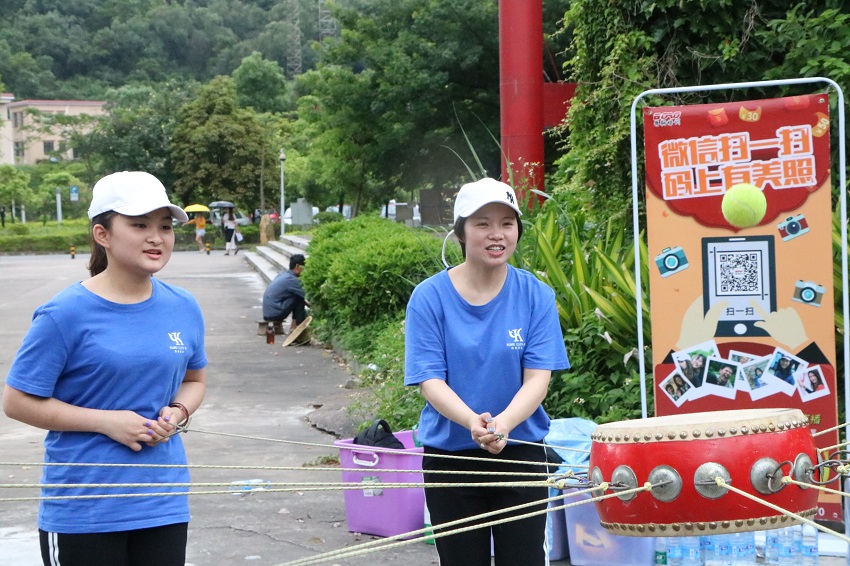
295,241
286,249
261,265
278,258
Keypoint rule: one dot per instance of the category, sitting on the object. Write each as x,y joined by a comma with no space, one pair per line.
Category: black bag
378,434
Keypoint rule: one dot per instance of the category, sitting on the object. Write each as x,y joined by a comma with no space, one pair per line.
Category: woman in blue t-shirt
481,341
109,367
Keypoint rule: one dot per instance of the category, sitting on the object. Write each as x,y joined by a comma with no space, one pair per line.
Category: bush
400,406
19,229
373,259
328,216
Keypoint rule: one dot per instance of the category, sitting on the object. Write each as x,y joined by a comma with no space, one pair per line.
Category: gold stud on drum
666,483
763,476
802,469
704,480
624,476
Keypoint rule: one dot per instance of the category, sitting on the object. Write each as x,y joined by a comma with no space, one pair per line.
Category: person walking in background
285,295
481,342
109,367
200,223
231,228
2,216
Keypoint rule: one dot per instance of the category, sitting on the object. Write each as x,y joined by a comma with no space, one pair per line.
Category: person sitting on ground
285,295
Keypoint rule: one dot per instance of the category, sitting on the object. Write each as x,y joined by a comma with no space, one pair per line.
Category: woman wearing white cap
481,341
109,367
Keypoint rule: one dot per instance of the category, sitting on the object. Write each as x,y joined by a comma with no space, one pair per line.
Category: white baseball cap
131,193
473,196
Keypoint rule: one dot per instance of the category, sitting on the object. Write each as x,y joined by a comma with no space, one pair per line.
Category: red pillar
521,91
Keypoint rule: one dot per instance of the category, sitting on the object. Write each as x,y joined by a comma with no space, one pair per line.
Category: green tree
14,188
397,83
260,84
623,48
217,147
136,133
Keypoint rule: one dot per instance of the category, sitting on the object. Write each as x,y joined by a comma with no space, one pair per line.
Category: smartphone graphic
740,270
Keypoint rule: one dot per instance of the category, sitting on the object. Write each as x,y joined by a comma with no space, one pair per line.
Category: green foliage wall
625,47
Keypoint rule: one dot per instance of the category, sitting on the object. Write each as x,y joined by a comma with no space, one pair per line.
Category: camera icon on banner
792,227
671,260
808,292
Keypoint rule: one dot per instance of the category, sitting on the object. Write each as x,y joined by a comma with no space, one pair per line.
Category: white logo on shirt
516,342
179,347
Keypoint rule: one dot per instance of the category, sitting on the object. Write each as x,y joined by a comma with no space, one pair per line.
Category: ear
100,235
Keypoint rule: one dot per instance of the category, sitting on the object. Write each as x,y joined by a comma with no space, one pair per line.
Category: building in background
22,144
7,145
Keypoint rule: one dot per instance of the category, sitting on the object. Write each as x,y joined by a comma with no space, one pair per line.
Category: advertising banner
739,229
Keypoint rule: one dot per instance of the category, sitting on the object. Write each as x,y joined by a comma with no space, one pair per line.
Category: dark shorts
156,546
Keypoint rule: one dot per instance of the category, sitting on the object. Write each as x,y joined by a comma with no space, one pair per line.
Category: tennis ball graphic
744,205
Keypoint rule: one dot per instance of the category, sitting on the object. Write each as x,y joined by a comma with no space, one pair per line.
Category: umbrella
222,204
196,208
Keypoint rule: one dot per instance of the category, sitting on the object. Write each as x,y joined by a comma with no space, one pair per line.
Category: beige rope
360,550
424,531
722,483
836,427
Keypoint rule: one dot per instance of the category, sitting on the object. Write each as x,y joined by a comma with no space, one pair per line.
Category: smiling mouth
153,252
496,248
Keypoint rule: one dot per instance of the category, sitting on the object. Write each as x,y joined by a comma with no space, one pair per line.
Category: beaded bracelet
183,408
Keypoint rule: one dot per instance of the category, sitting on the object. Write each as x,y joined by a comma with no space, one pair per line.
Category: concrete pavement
254,390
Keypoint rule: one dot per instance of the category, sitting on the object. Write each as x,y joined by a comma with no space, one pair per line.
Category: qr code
739,273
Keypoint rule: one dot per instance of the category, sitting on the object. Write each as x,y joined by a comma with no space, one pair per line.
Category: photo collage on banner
739,230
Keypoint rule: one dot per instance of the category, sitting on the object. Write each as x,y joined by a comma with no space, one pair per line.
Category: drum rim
706,425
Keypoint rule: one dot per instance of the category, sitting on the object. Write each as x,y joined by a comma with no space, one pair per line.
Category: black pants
298,311
156,546
514,542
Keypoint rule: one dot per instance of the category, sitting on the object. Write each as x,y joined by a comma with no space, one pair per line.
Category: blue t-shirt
481,351
90,352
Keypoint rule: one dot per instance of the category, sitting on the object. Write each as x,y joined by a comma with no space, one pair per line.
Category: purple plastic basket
383,511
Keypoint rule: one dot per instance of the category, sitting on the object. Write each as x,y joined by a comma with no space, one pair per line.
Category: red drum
681,455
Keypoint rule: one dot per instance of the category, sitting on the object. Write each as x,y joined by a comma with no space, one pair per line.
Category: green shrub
18,229
363,271
328,216
400,406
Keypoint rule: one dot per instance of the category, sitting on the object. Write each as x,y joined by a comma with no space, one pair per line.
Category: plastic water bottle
706,546
752,557
660,550
723,550
810,553
771,546
797,542
690,552
674,551
785,547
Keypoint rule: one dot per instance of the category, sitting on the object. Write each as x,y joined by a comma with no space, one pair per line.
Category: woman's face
490,235
678,380
141,244
814,378
696,361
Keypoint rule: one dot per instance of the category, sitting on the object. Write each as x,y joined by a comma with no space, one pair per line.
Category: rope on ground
359,550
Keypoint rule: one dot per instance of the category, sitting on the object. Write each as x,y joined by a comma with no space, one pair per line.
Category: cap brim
176,212
467,213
